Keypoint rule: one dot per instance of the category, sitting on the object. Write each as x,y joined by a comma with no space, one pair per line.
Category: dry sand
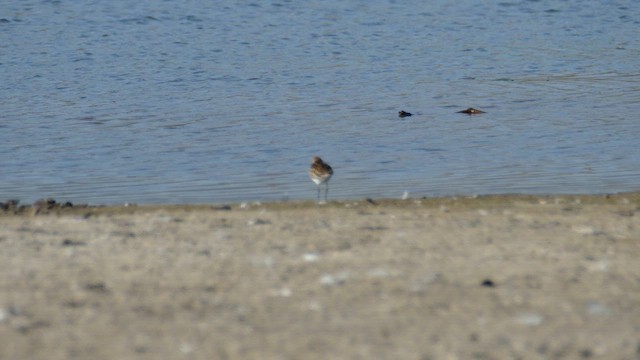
496,277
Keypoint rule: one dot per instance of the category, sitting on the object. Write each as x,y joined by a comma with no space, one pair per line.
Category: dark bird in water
471,111
403,113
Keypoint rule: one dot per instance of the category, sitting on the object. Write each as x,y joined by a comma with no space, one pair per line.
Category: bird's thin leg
318,192
326,191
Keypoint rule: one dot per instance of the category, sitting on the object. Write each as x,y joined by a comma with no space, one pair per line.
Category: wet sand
493,277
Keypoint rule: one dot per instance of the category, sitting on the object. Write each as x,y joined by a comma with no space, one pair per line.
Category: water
199,101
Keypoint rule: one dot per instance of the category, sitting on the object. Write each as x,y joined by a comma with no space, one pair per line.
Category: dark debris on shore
41,206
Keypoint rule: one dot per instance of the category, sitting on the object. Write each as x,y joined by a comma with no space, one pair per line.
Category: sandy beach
489,277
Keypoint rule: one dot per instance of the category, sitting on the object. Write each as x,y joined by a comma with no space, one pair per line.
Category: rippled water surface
200,101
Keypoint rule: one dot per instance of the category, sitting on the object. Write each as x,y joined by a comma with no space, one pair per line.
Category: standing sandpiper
320,173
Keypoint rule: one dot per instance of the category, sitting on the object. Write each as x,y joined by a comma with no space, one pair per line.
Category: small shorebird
320,173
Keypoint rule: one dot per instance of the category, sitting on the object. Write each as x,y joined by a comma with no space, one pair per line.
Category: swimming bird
320,173
403,113
471,111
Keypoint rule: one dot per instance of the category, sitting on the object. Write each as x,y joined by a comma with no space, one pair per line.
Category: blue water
107,102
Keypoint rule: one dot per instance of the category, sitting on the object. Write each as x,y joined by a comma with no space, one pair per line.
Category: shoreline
495,276
51,206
